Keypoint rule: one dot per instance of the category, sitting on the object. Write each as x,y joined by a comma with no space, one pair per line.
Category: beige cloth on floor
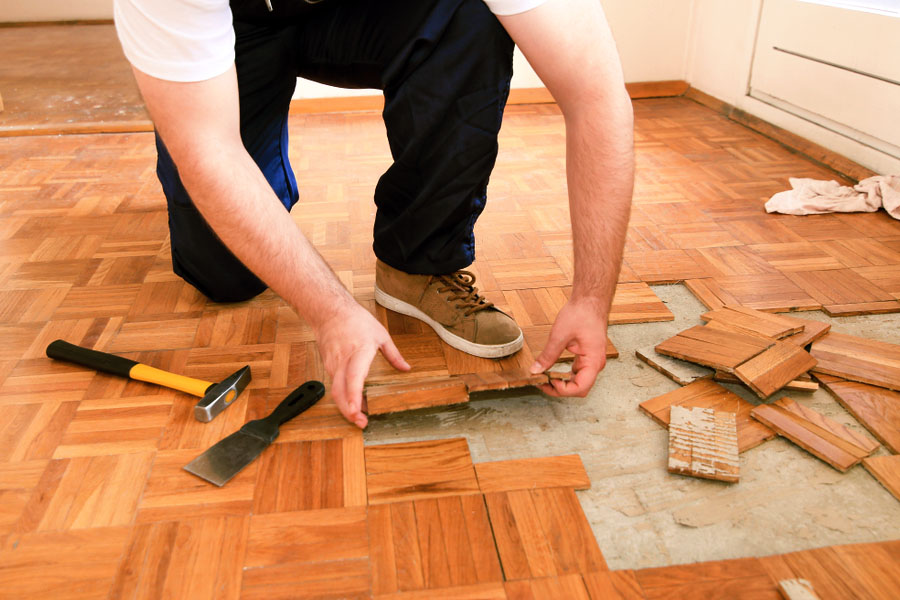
815,197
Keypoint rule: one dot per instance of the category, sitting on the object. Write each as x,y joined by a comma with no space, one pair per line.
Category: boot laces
464,294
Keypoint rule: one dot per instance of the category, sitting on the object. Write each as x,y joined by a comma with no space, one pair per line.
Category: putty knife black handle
298,401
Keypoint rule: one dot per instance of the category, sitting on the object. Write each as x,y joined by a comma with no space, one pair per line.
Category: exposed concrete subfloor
643,516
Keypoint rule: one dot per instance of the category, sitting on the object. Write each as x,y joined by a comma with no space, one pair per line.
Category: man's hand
348,343
580,327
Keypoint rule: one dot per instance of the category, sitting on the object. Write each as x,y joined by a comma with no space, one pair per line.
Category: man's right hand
348,342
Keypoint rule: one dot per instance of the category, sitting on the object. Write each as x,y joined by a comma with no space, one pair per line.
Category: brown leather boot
451,305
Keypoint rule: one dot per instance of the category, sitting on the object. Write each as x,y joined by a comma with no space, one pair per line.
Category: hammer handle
125,367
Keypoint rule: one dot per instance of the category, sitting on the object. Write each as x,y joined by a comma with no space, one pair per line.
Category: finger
555,345
355,377
339,392
393,356
582,379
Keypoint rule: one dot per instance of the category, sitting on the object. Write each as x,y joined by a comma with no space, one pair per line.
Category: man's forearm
600,174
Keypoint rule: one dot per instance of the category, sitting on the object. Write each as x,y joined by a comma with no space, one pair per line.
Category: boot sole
460,343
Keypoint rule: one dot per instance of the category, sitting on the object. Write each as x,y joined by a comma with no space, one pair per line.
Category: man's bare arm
570,46
200,125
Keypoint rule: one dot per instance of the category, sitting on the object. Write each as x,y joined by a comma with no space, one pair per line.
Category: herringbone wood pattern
90,466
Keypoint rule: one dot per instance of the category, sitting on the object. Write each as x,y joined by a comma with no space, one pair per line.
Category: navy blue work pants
444,67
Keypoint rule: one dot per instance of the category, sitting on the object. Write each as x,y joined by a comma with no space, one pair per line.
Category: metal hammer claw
214,397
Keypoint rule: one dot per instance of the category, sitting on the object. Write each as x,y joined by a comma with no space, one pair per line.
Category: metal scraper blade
224,460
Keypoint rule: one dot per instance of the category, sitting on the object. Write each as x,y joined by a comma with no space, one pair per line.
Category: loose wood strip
819,442
771,370
749,320
715,348
812,331
411,395
858,359
886,469
802,384
529,473
703,443
857,439
680,371
876,408
797,589
708,394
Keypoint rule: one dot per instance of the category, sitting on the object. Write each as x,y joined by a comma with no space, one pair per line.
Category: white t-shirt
193,40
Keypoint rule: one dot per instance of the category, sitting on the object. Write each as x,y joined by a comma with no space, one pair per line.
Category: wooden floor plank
774,368
858,359
716,348
876,408
886,469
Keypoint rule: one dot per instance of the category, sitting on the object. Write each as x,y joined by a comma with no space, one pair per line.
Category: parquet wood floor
90,465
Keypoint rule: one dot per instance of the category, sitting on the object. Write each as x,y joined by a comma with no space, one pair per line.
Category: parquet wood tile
876,408
708,394
636,303
820,436
529,473
748,320
417,470
703,443
796,256
197,558
79,564
613,585
488,591
858,359
665,266
843,292
886,278
770,292
547,588
681,372
774,368
717,348
411,395
812,331
296,476
886,469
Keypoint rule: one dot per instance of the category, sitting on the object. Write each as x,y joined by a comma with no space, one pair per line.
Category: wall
12,11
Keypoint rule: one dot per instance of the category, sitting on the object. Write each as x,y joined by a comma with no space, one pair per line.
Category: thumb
554,347
393,356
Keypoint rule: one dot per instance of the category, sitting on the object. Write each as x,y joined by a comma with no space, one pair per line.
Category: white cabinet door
836,67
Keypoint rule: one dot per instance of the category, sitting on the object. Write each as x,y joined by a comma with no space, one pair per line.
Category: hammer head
220,395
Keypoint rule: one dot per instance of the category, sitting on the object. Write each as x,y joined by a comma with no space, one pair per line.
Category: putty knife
224,460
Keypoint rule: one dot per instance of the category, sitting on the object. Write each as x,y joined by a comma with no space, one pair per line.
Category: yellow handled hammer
214,397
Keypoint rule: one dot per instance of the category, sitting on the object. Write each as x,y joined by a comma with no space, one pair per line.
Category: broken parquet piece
680,371
886,469
709,394
414,470
876,408
772,369
636,303
797,589
703,443
858,359
804,383
410,395
748,320
716,348
528,473
431,544
812,331
817,434
542,533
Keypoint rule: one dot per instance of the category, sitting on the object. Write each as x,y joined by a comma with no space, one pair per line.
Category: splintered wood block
814,432
802,384
528,473
797,589
410,395
161,558
858,359
771,370
703,443
542,533
414,470
748,320
570,587
636,303
679,371
613,585
716,348
708,394
812,331
886,469
431,544
876,408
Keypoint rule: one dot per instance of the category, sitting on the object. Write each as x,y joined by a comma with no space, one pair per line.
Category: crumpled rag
815,197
